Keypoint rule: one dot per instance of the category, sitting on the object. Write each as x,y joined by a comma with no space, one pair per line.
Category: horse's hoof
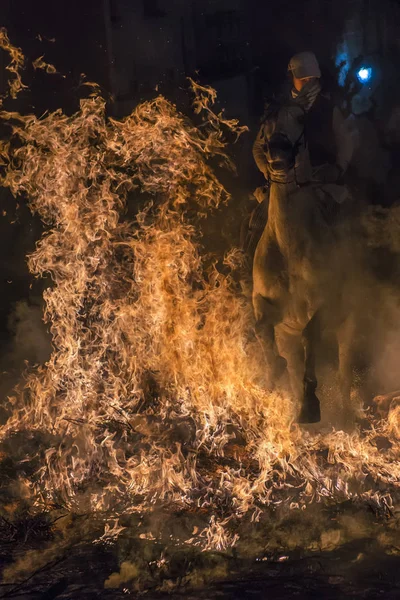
310,412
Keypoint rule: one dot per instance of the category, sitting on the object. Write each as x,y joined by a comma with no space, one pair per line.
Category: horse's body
301,271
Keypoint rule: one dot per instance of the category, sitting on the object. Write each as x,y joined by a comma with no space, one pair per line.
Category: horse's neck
279,218
283,194
284,215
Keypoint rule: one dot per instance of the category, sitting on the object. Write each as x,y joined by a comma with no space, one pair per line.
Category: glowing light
364,74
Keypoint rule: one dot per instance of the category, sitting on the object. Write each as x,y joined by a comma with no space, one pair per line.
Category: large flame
154,391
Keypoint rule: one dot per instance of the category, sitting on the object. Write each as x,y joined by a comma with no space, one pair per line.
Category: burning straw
154,390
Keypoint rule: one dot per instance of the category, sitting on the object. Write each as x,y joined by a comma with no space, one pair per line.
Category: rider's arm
344,140
259,153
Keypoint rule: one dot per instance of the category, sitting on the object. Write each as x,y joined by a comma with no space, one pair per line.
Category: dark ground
359,570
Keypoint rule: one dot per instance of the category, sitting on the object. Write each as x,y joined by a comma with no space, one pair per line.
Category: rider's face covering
306,97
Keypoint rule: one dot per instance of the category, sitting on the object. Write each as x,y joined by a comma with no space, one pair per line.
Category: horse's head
284,141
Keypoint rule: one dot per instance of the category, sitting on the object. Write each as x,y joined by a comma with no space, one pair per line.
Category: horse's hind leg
310,411
267,316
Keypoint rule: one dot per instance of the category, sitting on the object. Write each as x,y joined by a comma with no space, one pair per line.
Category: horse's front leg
310,411
267,316
290,346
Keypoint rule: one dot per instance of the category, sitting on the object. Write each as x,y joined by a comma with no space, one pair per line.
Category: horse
303,269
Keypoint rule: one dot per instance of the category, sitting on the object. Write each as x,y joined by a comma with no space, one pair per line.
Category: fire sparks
15,65
154,391
40,63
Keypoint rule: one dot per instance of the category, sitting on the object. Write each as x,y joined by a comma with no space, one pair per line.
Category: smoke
386,347
379,324
127,573
30,339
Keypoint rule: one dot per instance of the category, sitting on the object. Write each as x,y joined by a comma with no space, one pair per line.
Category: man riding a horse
328,139
301,262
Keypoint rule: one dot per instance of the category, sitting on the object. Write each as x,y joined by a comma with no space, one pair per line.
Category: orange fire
156,376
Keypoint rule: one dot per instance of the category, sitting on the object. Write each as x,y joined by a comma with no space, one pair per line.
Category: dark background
242,47
137,48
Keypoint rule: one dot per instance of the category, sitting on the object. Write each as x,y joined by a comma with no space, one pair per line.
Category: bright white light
364,74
